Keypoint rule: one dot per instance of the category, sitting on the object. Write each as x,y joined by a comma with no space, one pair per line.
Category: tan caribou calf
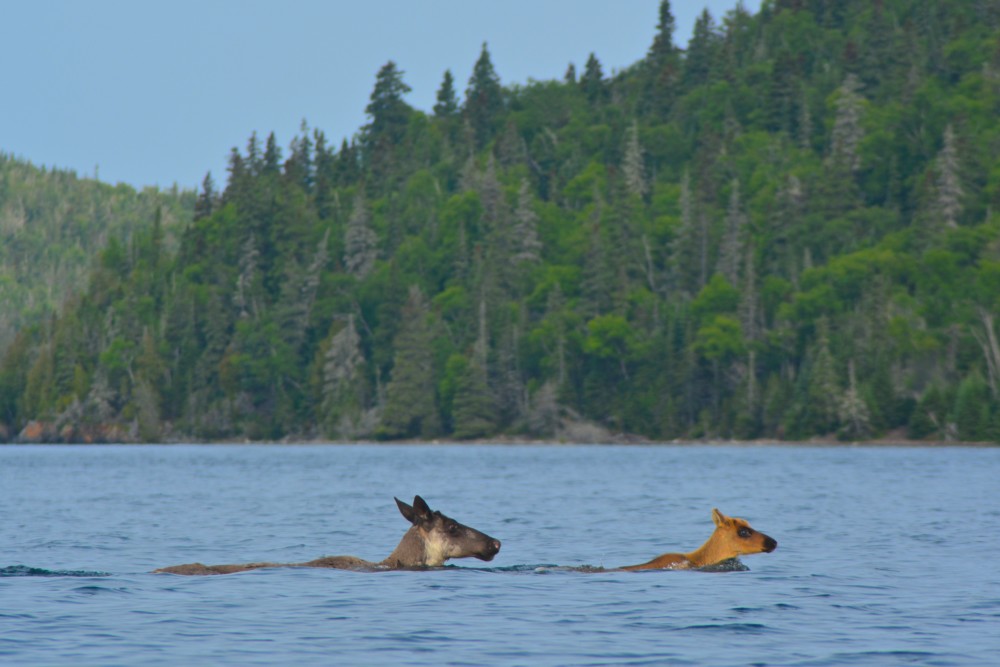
732,538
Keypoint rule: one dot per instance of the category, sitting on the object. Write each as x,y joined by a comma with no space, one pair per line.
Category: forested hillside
786,230
53,224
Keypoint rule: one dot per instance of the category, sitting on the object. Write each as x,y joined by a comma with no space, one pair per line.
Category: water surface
886,555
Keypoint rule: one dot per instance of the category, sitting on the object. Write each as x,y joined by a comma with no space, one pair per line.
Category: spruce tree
360,240
411,409
633,167
663,43
948,181
447,101
473,410
388,114
701,51
205,204
592,82
483,99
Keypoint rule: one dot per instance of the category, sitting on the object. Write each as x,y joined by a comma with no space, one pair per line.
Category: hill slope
52,226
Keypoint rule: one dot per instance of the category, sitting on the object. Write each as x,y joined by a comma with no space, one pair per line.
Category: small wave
731,565
542,568
98,590
26,571
736,628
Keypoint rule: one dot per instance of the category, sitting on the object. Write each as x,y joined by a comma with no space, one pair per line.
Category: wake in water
25,571
731,565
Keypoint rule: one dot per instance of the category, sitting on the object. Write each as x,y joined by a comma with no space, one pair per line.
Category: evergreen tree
971,414
570,76
343,384
272,156
387,112
847,129
949,185
731,253
360,241
592,82
528,247
663,66
633,169
855,417
205,204
483,98
300,168
663,43
411,409
823,391
701,51
473,411
447,100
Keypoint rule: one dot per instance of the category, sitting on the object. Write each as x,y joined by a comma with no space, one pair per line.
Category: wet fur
733,537
431,540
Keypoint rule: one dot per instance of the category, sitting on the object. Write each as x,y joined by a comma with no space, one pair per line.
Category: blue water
886,556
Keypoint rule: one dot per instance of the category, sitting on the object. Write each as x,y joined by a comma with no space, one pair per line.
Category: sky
156,93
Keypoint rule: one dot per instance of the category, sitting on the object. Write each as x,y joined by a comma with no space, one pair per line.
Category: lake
886,555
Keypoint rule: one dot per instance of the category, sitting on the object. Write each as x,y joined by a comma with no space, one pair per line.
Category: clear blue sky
156,93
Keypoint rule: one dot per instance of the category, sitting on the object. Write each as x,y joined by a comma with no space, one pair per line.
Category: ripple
727,628
99,590
26,571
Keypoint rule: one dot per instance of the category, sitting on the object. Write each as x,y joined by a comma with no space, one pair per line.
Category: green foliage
53,224
783,232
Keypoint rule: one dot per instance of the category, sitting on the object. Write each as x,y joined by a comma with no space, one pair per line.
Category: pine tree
592,82
554,313
473,411
570,76
528,247
447,100
272,156
847,129
325,176
387,112
343,385
244,298
205,204
824,389
411,409
987,339
360,241
299,295
661,68
663,43
682,245
855,417
483,99
300,168
731,252
971,414
949,185
701,51
633,168
511,149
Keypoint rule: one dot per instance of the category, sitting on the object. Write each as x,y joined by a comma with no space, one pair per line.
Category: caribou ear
719,518
422,510
408,513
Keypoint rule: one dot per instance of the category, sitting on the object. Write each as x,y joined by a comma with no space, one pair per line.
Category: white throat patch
435,551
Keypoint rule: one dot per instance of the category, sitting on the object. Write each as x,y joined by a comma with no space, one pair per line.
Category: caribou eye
453,529
744,532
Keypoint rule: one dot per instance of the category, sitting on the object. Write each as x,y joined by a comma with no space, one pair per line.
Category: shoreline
536,442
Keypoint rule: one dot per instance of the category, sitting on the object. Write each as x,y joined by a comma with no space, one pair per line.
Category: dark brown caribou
431,540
